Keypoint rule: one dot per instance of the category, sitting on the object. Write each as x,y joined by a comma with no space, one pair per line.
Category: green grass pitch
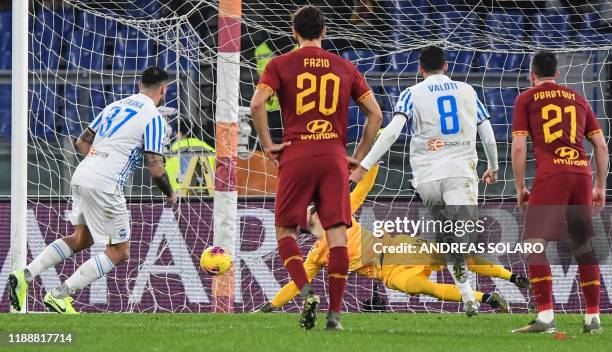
280,332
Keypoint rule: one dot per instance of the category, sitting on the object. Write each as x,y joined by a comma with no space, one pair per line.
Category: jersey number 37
108,127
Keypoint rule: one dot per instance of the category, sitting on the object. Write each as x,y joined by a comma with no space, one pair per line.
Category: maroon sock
337,272
589,280
589,283
292,260
541,284
541,280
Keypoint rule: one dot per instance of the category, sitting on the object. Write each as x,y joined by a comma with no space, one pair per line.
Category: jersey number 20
449,120
325,108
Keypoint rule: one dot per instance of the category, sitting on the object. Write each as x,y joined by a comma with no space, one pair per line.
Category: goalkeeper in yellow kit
411,279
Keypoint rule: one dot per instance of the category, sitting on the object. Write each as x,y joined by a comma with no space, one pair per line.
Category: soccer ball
215,261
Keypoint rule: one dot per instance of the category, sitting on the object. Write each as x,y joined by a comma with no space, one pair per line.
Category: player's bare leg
541,283
588,268
52,255
59,299
337,273
294,263
457,263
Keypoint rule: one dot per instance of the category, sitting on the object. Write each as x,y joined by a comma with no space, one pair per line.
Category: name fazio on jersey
124,130
443,115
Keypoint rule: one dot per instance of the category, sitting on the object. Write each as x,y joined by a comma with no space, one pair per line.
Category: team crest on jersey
123,233
319,129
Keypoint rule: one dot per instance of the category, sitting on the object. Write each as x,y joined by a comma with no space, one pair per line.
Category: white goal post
19,136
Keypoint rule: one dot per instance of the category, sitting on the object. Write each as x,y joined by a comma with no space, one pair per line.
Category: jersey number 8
449,120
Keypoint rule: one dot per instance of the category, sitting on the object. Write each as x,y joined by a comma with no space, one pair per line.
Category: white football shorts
105,214
449,191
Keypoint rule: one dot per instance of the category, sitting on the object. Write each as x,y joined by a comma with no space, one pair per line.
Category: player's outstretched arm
487,137
384,142
519,163
85,140
374,117
600,149
155,164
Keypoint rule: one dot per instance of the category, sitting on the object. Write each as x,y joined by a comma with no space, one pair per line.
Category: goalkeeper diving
411,278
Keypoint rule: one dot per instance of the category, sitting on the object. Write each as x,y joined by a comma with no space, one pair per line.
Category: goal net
85,54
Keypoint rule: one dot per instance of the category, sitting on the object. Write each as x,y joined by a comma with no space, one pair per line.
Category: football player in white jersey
124,133
445,117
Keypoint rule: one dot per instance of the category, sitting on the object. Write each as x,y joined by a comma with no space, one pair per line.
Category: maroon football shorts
555,200
322,179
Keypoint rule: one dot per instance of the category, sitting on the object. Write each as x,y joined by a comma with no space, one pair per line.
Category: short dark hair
431,58
544,64
153,76
309,22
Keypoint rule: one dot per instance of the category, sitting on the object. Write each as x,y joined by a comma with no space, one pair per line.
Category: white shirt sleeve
155,135
487,137
96,122
386,139
481,110
401,113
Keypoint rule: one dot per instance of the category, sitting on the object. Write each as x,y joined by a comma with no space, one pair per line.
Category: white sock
467,294
92,270
52,255
546,316
588,318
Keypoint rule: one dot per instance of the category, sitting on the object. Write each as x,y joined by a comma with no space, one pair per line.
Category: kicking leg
52,255
59,299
